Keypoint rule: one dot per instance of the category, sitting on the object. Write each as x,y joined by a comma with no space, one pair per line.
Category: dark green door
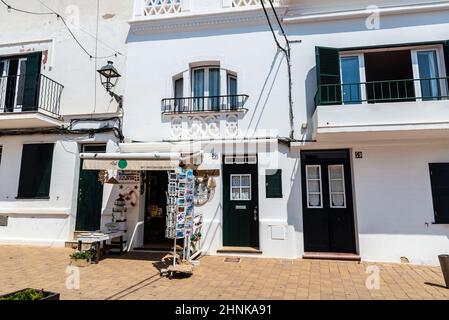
90,195
240,205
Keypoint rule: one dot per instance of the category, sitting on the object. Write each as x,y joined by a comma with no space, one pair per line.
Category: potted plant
30,294
82,258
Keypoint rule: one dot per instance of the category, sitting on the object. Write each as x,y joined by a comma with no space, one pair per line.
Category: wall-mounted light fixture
108,77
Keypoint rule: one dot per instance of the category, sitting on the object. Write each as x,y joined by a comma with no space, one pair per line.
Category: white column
185,5
139,7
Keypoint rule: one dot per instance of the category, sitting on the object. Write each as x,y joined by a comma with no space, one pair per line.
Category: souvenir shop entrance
156,211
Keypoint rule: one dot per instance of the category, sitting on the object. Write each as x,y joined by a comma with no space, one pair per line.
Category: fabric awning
138,161
131,165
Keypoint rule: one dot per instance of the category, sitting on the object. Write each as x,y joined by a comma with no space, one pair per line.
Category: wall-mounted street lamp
108,77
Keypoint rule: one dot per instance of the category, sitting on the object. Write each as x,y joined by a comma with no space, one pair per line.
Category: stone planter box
47,294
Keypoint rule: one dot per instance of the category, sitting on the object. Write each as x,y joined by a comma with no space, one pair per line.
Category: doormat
232,259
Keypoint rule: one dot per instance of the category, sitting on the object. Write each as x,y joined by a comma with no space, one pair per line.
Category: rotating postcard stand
180,214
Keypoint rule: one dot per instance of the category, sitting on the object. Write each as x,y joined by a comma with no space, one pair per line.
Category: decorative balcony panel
245,3
161,7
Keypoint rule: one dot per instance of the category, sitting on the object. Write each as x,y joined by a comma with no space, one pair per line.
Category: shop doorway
90,194
156,211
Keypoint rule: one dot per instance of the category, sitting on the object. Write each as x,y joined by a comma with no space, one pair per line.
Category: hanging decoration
103,176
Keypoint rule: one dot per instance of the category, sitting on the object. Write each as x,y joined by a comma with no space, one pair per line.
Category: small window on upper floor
212,89
19,82
382,75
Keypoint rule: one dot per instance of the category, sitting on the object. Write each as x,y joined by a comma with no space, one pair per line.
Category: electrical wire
58,16
287,53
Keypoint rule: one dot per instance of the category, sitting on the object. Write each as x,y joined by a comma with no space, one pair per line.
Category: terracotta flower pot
81,263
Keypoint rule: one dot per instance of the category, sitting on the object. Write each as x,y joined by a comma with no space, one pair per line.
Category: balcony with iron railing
29,101
208,104
402,104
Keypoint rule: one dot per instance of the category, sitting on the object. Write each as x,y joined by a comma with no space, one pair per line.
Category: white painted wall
52,222
391,184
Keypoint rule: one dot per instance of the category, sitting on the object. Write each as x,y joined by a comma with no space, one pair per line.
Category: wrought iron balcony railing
30,93
204,104
383,91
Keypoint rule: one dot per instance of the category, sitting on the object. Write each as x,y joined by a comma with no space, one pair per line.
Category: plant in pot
82,258
30,294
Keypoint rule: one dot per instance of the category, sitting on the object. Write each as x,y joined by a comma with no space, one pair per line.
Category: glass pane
232,91
235,194
198,88
336,172
245,194
214,88
350,76
337,186
245,181
313,172
428,72
21,85
313,186
235,181
314,200
338,200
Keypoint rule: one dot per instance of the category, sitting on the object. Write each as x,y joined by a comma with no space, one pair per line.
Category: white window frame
206,79
362,74
330,186
413,52
240,186
320,179
438,49
17,108
229,76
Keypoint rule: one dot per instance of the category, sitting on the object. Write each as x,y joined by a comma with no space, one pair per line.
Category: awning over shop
138,161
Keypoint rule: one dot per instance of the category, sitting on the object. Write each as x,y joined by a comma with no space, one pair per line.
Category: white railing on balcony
246,3
160,7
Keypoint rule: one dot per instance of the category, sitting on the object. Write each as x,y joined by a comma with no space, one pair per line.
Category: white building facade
352,174
52,107
354,165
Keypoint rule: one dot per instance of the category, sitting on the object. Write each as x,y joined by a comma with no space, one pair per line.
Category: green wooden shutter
273,183
35,170
439,180
31,85
328,76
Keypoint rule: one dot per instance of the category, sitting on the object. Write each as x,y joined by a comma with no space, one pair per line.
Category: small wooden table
96,238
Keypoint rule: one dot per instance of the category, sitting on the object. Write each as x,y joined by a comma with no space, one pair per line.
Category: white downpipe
138,224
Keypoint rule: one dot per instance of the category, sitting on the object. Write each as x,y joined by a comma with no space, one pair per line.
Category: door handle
255,213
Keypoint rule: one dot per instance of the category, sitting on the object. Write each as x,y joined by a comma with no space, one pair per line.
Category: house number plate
240,207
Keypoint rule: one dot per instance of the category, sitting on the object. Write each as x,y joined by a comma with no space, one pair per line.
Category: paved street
135,276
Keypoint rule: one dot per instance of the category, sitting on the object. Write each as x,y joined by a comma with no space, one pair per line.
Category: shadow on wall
310,90
211,239
265,91
294,201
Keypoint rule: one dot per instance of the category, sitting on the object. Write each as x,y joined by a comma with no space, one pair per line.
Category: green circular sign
122,164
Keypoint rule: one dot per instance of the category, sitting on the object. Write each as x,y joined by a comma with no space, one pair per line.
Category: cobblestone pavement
136,276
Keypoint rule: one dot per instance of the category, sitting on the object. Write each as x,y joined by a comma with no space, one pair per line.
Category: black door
240,204
328,215
90,195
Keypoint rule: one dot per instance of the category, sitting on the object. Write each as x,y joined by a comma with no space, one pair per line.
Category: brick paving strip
136,276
